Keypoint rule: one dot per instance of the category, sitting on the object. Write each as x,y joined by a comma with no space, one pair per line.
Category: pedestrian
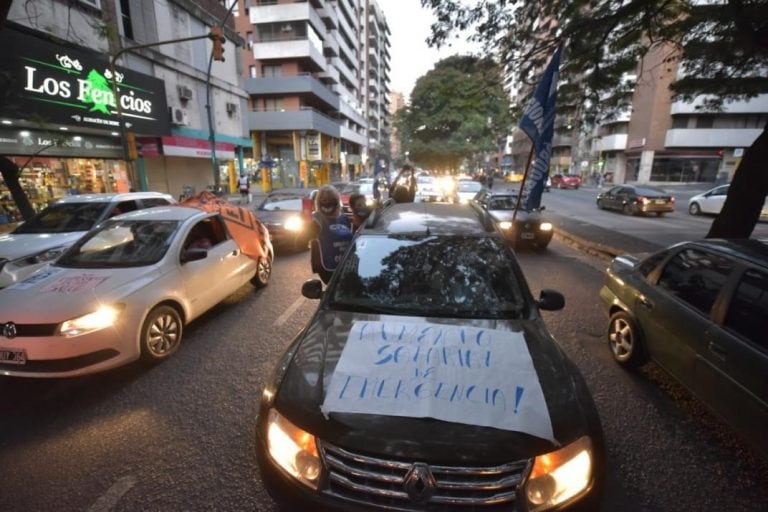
403,188
330,232
245,188
376,190
490,181
360,210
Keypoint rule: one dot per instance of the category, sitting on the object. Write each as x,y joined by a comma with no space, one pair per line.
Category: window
704,122
273,104
696,277
649,264
154,201
125,16
748,311
271,70
252,71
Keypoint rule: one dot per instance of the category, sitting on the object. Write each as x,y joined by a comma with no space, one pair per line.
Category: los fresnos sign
64,85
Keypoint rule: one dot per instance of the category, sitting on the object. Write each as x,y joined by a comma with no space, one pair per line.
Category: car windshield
502,203
649,191
469,186
290,202
121,243
63,218
432,276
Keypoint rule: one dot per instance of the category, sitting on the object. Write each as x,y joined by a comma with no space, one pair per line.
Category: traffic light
130,142
218,42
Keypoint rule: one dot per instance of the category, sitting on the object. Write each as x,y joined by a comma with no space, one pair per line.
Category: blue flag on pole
538,123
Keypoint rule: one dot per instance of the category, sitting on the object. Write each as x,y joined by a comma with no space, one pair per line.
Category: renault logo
419,483
9,330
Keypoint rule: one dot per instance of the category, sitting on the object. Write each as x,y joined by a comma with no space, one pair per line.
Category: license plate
526,236
11,356
660,201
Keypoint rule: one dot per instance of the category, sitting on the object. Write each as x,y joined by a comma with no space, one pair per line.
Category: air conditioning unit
180,117
231,108
185,93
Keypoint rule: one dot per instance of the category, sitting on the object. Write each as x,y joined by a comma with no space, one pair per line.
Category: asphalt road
179,436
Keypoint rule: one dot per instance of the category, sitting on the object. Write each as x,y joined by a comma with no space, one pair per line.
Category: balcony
331,44
756,105
615,142
288,120
711,138
330,75
288,50
292,85
280,13
351,135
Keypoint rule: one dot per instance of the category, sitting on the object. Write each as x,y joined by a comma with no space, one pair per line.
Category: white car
125,291
49,233
466,190
428,189
711,202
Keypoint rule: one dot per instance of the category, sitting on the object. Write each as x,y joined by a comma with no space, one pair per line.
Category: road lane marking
110,498
290,311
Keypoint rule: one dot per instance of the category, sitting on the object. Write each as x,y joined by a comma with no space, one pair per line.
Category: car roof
751,249
158,213
432,218
112,197
292,191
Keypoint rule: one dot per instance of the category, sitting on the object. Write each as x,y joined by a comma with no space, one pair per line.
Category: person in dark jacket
403,188
331,232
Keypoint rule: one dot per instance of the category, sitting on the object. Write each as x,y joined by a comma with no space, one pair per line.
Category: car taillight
671,199
643,200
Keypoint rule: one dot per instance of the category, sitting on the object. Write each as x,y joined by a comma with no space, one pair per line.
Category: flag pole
522,184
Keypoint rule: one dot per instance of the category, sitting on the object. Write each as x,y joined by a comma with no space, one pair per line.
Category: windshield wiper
358,307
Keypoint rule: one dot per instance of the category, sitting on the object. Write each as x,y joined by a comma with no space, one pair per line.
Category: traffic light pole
116,89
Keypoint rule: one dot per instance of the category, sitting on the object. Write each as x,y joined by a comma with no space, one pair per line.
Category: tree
457,110
722,48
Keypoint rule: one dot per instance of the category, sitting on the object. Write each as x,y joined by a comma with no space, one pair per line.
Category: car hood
16,246
522,215
302,392
276,216
61,293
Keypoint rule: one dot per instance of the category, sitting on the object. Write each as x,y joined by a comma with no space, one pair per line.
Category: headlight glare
294,224
505,224
545,226
293,449
560,476
104,317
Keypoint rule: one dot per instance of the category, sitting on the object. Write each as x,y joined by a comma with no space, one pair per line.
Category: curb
604,252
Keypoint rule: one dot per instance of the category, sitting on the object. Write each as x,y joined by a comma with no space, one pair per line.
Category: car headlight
40,257
545,226
293,449
463,200
560,476
505,224
102,318
294,224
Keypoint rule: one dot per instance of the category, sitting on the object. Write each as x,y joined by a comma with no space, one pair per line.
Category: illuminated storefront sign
49,83
34,142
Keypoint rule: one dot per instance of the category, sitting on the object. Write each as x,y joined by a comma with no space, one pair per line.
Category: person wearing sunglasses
331,232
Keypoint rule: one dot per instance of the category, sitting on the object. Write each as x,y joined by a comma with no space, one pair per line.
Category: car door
612,198
731,372
210,280
713,202
675,314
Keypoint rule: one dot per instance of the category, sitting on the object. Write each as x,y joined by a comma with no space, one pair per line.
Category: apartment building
376,63
316,72
397,102
60,118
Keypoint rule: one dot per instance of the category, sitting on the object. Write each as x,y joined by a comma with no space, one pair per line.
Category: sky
409,23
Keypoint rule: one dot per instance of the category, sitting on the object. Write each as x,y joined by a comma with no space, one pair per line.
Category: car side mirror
551,300
193,255
542,208
312,289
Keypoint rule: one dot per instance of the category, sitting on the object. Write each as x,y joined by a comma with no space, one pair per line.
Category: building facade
60,120
376,63
311,69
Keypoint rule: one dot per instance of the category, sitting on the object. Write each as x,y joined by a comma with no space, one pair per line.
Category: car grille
31,330
398,485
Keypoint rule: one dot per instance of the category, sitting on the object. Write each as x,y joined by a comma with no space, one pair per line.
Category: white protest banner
454,373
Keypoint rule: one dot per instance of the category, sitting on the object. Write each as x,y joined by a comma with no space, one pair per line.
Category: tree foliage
457,110
721,48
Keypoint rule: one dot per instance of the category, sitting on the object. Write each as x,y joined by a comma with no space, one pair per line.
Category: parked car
636,199
125,291
45,236
287,213
407,389
466,190
560,180
700,311
711,202
530,228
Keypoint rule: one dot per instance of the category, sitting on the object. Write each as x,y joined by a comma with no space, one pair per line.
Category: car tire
628,209
263,272
625,340
600,204
659,214
161,334
694,209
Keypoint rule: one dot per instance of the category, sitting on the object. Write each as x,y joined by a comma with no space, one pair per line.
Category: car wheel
659,214
628,209
600,204
161,334
625,340
694,209
263,272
